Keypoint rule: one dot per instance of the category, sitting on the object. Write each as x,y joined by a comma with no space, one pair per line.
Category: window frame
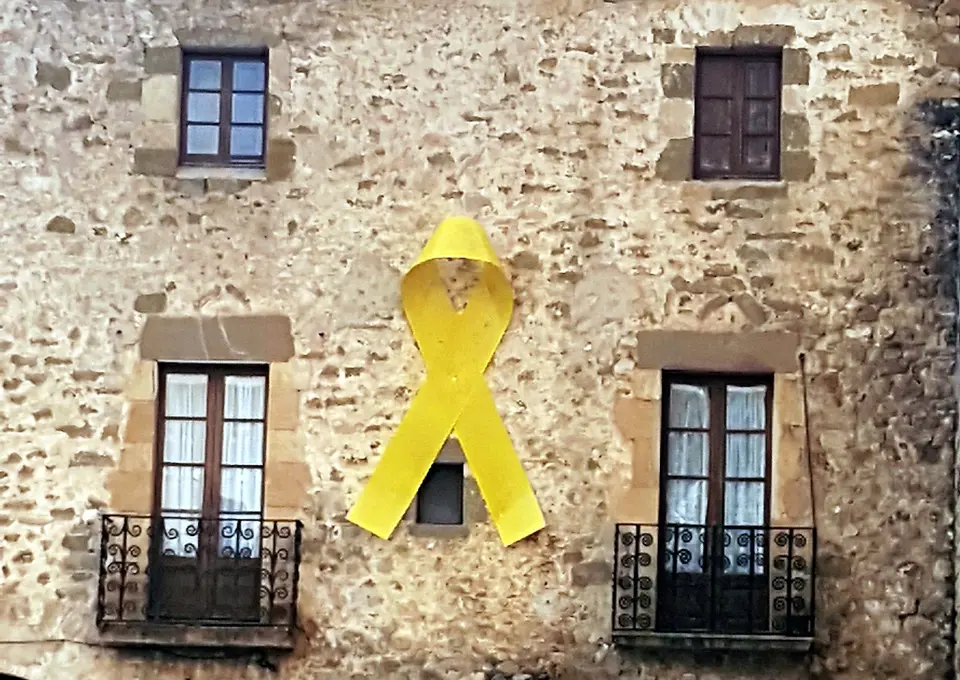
717,384
740,57
227,57
212,466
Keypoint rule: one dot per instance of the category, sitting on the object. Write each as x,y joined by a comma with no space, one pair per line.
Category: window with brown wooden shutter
737,115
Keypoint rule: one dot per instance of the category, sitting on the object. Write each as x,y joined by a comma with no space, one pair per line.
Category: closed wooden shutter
737,118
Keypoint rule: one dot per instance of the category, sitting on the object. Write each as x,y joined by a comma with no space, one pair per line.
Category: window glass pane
184,441
760,117
689,406
714,154
242,443
715,76
204,74
246,141
440,498
248,108
761,79
240,490
746,407
743,504
180,535
244,396
715,116
186,395
743,551
203,139
758,153
688,453
746,455
686,501
239,536
203,107
248,75
182,488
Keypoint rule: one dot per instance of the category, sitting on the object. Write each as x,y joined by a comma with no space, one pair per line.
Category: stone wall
561,127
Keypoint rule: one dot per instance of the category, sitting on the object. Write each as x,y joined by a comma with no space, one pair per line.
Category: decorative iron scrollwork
139,555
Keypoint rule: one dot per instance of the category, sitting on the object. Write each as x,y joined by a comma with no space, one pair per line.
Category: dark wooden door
712,574
206,551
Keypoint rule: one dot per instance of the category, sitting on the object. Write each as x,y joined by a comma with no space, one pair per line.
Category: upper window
223,109
737,115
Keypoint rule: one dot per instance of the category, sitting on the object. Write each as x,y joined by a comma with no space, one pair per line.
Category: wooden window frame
226,57
741,57
212,466
716,471
420,500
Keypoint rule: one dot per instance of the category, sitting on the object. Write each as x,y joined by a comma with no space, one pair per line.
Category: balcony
694,586
193,582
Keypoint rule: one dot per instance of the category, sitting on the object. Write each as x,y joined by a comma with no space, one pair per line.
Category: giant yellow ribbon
456,347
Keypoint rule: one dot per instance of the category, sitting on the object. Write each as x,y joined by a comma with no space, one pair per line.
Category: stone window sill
196,172
146,634
717,641
444,531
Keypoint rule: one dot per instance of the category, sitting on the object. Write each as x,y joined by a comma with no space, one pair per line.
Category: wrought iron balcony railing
200,572
715,580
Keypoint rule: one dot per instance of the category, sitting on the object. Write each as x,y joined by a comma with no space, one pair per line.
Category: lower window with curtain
208,523
715,497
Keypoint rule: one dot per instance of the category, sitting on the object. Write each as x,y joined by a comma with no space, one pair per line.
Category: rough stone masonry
564,127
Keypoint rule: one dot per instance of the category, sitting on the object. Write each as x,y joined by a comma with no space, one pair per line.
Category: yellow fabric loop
456,347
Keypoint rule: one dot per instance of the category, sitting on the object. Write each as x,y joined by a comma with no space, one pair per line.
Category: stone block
281,159
162,162
796,67
263,338
119,90
677,80
797,166
137,458
680,55
141,383
247,39
647,384
286,484
676,118
160,98
150,303
949,55
793,99
131,491
746,352
764,35
162,60
283,411
882,94
141,422
794,131
152,135
675,163
284,446
53,75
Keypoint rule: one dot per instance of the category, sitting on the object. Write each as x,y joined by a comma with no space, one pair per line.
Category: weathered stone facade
565,128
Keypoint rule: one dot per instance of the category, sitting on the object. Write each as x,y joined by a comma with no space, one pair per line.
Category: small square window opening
440,499
737,115
223,109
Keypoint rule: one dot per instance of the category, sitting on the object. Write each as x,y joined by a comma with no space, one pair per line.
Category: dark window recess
440,498
223,109
737,116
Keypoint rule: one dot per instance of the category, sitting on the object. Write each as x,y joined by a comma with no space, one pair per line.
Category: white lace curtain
689,458
241,459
